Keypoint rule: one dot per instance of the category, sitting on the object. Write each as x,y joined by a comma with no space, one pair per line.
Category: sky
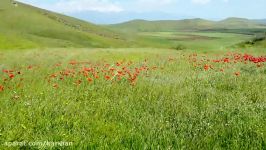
116,11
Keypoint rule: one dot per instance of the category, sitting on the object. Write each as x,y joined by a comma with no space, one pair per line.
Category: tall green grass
177,107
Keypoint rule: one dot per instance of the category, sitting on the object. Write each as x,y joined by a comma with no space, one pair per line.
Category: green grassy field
187,84
193,40
171,105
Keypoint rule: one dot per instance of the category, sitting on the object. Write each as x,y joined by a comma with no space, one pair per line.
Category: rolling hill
25,26
261,21
187,25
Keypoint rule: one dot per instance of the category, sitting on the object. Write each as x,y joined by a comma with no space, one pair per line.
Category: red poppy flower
206,67
73,62
237,73
96,76
1,88
118,64
112,69
11,76
53,76
120,72
90,79
226,60
5,71
107,77
30,67
87,69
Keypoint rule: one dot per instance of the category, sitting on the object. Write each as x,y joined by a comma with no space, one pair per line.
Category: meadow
134,98
196,40
171,84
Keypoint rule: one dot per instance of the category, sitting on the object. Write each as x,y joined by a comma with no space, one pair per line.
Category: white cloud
86,5
149,5
202,2
73,6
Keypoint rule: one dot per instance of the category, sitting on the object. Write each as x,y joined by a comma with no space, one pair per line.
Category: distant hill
24,26
187,25
164,25
261,21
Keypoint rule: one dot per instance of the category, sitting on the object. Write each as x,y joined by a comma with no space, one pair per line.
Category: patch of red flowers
227,61
14,76
77,72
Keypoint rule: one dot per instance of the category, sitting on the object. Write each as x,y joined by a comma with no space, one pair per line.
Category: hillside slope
24,26
187,25
261,21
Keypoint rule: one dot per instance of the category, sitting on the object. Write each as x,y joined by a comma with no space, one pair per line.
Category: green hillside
261,21
187,25
165,25
24,26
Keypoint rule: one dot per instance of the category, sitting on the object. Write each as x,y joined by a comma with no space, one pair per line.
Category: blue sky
114,11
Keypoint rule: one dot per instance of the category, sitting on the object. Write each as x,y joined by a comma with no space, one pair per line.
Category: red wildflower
87,69
216,61
107,77
73,62
226,60
120,72
96,76
118,64
112,69
107,65
206,67
53,76
11,76
237,73
1,88
5,71
30,67
90,79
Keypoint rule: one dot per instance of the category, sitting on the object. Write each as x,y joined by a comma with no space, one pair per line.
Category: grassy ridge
45,29
25,26
187,25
